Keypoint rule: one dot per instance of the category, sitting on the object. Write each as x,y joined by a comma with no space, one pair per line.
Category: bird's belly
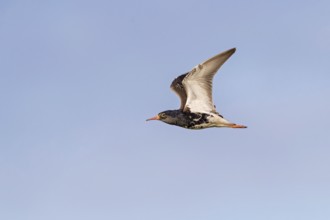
201,126
196,121
206,121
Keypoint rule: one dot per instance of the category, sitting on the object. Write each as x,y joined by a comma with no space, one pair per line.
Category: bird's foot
237,126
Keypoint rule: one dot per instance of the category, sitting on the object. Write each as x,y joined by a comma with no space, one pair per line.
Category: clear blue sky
79,78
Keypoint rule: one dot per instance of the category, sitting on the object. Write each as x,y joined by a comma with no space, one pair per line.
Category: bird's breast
192,120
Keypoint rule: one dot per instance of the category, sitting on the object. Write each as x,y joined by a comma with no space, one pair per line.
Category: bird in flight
197,110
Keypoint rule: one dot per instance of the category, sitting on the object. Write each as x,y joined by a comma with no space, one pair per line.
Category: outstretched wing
178,88
198,83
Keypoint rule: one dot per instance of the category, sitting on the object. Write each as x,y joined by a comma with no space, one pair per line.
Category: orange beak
153,118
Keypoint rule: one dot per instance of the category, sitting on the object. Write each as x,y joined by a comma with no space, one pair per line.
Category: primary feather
195,87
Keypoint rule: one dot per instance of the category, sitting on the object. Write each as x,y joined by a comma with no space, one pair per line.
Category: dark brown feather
178,88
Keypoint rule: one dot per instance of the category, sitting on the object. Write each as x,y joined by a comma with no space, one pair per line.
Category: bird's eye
162,115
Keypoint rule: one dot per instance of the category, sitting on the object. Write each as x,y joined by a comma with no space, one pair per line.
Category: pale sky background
79,78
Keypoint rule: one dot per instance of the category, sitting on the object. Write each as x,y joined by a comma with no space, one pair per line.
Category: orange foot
238,126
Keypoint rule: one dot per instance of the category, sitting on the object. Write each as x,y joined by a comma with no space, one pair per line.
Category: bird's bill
153,118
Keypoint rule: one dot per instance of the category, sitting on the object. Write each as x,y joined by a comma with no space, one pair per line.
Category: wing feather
179,89
198,84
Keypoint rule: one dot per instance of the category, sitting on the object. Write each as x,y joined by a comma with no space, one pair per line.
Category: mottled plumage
194,89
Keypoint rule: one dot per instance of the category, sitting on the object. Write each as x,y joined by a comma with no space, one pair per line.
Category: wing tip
231,51
222,57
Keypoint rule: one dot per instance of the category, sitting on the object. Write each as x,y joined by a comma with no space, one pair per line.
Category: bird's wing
198,83
178,88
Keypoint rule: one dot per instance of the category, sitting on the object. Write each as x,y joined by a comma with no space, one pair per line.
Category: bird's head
165,116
